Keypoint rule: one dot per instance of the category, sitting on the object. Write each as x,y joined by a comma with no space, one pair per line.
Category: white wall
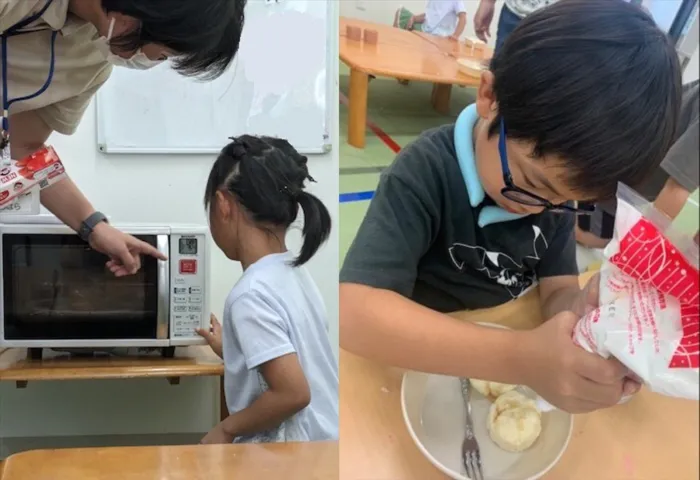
663,11
691,70
382,11
161,189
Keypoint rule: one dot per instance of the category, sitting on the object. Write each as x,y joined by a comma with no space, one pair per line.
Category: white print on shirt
523,8
499,266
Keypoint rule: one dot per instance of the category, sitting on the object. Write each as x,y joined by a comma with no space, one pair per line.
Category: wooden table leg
223,408
440,98
357,109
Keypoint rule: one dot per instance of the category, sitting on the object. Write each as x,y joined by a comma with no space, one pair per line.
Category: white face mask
139,61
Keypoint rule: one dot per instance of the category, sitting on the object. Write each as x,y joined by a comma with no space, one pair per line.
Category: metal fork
471,458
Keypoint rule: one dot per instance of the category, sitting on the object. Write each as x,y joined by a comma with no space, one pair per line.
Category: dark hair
594,82
266,176
205,34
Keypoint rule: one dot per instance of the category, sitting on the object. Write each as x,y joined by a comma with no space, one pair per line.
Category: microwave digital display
188,246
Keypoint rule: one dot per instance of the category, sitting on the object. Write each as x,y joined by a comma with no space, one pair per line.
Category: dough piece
491,390
514,423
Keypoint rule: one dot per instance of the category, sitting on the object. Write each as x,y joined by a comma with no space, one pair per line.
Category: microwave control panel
187,274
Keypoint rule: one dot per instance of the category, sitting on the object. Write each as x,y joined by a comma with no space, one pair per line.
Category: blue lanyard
12,31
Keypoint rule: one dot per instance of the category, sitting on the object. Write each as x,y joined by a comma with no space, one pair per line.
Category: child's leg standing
506,24
402,20
596,230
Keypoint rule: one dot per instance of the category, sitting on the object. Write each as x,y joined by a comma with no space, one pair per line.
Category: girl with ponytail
281,378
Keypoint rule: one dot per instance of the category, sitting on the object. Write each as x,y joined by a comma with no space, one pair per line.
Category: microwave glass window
56,287
188,246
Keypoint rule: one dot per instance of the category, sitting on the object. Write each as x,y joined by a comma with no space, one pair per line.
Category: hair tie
285,189
239,148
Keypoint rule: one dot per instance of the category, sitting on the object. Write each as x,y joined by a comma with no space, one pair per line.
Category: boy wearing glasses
472,215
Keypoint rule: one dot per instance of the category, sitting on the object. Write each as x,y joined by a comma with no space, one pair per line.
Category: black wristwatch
89,225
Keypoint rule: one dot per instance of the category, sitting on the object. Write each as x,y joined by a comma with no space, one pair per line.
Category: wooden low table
651,437
398,54
291,461
461,49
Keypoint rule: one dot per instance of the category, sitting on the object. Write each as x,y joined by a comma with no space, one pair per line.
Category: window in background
684,31
682,14
664,11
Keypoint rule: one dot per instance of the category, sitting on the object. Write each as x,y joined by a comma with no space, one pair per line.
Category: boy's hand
213,335
567,376
217,436
587,300
454,38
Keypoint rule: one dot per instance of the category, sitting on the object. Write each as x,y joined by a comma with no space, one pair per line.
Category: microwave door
56,289
163,316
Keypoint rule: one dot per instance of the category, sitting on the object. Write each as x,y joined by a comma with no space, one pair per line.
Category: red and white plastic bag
649,300
39,170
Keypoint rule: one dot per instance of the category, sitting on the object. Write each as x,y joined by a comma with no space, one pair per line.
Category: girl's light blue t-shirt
274,310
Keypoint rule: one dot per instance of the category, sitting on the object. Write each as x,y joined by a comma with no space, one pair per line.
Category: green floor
403,112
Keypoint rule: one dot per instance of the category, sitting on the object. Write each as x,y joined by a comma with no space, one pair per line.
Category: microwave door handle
163,320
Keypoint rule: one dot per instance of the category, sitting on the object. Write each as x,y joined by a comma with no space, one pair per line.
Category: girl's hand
566,375
213,336
411,21
217,435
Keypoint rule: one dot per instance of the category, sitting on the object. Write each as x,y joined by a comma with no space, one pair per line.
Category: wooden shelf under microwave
188,362
197,361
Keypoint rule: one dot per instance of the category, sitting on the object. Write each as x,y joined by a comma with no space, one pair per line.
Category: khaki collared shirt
79,69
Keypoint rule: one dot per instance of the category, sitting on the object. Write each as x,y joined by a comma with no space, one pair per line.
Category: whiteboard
277,86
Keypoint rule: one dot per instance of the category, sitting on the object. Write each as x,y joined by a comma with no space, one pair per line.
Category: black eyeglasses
523,197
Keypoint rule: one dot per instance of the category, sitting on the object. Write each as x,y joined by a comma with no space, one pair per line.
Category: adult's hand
566,375
483,19
123,250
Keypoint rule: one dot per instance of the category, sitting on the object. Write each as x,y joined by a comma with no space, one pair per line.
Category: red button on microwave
188,267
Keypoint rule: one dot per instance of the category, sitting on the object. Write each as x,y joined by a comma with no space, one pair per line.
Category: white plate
433,411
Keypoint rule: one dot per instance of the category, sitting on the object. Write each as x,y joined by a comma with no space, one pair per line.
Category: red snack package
649,299
42,168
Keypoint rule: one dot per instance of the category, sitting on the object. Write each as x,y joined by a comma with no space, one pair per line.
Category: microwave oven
57,292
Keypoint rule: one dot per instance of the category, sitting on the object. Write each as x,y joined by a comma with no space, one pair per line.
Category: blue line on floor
356,196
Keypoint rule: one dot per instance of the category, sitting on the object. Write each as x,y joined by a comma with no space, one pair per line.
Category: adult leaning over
57,53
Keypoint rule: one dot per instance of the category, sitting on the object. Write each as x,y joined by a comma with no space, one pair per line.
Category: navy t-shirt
421,239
